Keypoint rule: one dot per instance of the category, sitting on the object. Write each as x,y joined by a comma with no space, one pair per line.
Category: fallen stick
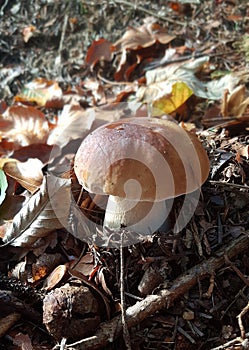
108,331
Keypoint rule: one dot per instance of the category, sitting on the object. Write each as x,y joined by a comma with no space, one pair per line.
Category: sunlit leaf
144,36
37,218
234,103
170,102
40,91
28,174
3,186
28,32
26,125
159,81
73,122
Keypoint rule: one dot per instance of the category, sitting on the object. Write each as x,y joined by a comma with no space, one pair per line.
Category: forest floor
67,67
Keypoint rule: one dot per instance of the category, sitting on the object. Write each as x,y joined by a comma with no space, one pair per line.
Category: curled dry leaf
26,125
37,218
143,36
163,85
234,103
28,174
100,49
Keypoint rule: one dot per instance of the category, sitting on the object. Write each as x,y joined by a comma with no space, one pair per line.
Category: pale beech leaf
37,218
28,174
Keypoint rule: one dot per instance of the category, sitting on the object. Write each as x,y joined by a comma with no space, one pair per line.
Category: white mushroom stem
138,216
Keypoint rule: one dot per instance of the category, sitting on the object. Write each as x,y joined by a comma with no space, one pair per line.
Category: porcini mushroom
140,163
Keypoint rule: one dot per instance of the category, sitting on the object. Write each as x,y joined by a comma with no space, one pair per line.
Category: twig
235,269
241,327
237,340
186,335
165,298
149,12
126,333
58,59
228,184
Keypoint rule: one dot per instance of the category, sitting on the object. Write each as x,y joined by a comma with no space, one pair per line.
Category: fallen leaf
37,217
143,36
41,91
159,81
23,341
73,122
100,49
234,103
40,151
28,174
11,206
170,102
28,125
3,186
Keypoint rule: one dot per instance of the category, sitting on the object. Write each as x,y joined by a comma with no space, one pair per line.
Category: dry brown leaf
27,125
11,206
143,36
234,103
85,266
100,49
40,151
28,32
23,341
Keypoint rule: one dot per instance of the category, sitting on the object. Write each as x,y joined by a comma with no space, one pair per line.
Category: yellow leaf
170,102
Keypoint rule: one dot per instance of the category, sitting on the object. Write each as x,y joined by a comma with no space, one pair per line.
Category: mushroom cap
141,159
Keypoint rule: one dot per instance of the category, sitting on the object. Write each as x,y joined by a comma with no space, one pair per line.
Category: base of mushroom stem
141,217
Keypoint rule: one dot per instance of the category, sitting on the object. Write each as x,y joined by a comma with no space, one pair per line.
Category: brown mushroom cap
142,159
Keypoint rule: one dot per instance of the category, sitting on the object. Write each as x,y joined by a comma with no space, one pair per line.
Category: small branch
149,12
241,327
165,298
126,333
237,341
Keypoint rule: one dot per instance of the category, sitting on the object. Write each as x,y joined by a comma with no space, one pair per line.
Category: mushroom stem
138,216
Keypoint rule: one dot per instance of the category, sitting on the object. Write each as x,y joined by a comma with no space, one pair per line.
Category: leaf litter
188,59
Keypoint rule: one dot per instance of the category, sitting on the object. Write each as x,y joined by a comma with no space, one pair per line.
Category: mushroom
140,163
